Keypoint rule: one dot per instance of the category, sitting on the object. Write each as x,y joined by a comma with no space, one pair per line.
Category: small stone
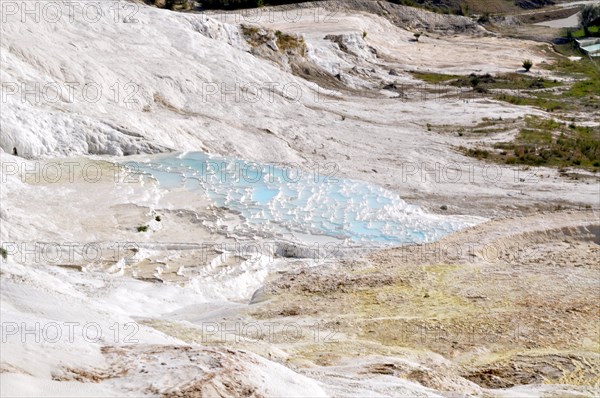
393,72
272,45
444,207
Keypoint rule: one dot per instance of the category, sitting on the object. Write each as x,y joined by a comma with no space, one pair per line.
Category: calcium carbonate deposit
323,199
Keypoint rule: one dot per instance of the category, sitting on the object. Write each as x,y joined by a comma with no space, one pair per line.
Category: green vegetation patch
547,103
434,78
510,81
586,88
583,68
579,91
547,142
593,31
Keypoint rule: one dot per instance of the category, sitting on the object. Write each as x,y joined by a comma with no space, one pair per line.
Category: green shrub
477,153
527,64
485,18
3,253
142,228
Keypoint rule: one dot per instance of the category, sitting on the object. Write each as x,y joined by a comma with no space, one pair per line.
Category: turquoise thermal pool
300,201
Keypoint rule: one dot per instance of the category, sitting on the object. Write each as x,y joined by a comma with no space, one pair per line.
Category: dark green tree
590,16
